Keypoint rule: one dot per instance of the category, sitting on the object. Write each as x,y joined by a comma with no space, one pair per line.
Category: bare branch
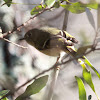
98,28
54,79
65,22
31,18
37,76
54,66
14,43
1,37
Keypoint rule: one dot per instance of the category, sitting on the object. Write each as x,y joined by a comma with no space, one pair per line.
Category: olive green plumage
50,41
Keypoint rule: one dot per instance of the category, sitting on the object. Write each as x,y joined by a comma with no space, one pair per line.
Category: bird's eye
29,35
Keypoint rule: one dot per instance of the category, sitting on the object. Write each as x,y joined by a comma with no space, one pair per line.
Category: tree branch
22,25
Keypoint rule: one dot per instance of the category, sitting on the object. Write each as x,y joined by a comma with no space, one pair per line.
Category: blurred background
17,65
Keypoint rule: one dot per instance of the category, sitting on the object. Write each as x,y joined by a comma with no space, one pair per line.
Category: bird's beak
22,39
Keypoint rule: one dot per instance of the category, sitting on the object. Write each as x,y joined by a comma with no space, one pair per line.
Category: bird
51,41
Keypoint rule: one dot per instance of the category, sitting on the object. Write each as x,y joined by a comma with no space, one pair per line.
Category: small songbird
51,41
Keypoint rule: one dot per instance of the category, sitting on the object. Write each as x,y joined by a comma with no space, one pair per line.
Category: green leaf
8,2
56,4
75,7
49,3
37,9
3,93
90,65
79,7
5,98
82,92
88,78
34,88
93,5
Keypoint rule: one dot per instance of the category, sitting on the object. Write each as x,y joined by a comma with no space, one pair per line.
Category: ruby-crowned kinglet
50,41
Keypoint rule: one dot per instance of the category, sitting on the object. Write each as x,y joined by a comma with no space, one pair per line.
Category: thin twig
57,64
1,37
22,25
65,22
53,83
37,76
98,17
95,39
54,66
54,80
98,27
14,43
97,49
